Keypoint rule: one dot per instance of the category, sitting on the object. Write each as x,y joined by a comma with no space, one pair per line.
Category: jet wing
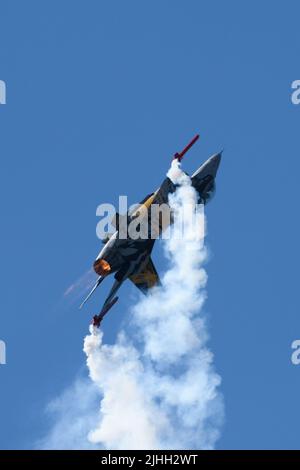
146,278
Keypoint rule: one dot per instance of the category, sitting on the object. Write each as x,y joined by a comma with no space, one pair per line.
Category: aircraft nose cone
208,168
213,163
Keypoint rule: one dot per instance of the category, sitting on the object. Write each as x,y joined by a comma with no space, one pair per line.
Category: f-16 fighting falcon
130,258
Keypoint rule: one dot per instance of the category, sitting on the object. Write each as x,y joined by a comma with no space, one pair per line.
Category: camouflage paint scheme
129,258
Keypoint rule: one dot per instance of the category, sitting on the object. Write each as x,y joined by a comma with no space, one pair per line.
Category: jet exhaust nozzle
102,267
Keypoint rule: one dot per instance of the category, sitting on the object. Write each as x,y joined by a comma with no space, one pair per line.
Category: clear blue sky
99,96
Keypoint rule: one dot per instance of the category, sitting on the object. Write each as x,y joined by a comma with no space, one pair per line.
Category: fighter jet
129,258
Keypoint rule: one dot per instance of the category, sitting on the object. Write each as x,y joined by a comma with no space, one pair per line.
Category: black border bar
148,459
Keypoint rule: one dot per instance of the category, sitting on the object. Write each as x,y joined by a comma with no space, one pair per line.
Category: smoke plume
157,383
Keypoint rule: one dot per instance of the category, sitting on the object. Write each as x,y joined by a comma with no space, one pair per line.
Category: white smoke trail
159,387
